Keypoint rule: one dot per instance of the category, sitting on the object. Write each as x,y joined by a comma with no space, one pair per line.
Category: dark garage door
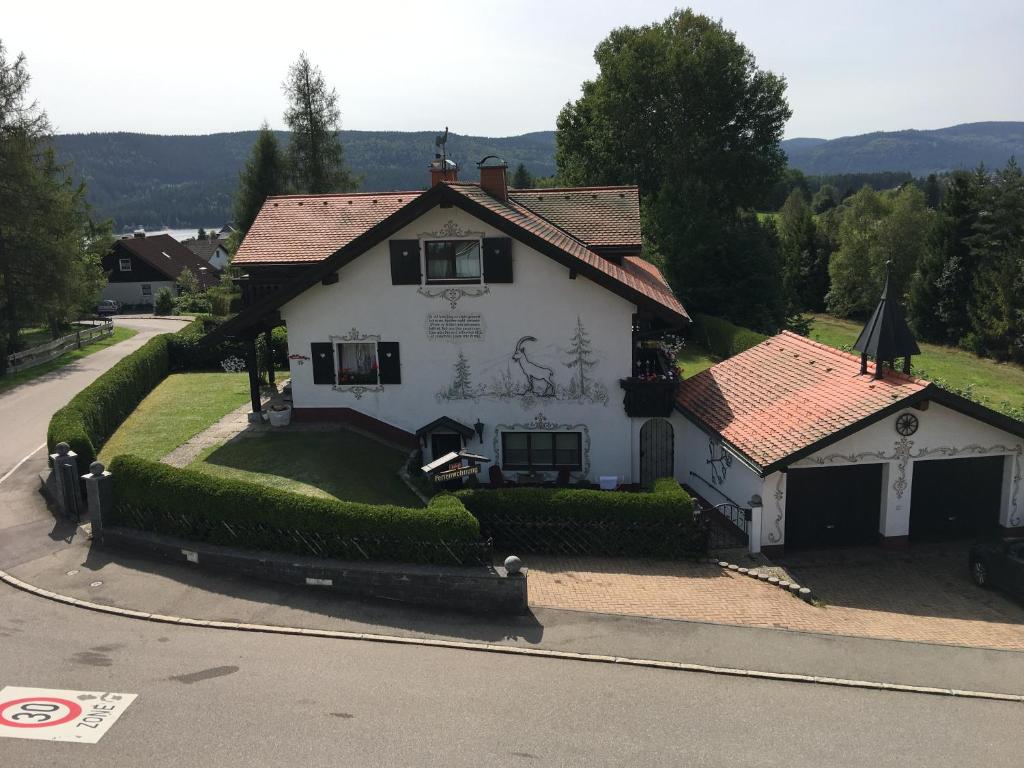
833,506
955,498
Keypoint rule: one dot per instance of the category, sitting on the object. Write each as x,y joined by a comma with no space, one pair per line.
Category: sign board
451,474
448,458
49,715
451,327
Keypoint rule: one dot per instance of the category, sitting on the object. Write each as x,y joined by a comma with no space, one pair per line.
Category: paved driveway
923,594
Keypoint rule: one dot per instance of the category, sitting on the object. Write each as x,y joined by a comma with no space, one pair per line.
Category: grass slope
14,379
998,384
180,408
337,464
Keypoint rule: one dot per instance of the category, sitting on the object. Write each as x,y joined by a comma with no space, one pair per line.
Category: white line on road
17,466
512,650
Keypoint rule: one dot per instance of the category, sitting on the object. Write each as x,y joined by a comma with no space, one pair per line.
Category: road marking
17,466
512,650
46,715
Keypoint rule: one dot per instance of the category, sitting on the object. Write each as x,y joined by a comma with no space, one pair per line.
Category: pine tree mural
581,358
462,385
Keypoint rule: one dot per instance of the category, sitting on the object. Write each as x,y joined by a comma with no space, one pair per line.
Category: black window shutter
323,362
389,363
405,262
497,260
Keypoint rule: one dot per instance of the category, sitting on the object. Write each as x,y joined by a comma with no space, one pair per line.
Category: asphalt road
221,698
25,411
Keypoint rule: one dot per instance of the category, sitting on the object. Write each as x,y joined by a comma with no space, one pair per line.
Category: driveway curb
510,650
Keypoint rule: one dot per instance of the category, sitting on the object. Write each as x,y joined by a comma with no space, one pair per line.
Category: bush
233,512
163,304
722,338
583,521
189,352
97,411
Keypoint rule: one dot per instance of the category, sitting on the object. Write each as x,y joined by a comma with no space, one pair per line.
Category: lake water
178,234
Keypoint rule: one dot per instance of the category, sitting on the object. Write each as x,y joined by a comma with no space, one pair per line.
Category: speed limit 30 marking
49,715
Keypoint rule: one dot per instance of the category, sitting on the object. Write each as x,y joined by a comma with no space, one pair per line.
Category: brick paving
926,597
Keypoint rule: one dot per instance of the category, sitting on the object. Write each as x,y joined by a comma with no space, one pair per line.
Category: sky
498,67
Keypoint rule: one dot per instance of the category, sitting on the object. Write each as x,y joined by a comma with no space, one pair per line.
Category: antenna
442,142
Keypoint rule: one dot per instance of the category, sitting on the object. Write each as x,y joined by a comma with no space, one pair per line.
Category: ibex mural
534,373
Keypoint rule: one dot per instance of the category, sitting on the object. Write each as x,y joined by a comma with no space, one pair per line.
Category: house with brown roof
139,266
826,448
520,324
213,250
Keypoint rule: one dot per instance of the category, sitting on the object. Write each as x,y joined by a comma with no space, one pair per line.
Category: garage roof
790,396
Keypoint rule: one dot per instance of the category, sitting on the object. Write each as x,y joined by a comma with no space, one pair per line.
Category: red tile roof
787,394
302,229
307,229
597,216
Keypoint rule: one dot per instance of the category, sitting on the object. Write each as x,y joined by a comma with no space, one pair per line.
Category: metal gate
657,446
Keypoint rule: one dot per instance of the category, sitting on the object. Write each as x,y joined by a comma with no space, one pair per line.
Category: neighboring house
505,321
138,267
213,250
841,452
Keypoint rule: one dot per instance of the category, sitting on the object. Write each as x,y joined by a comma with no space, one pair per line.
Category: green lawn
694,359
14,379
337,464
180,408
1000,384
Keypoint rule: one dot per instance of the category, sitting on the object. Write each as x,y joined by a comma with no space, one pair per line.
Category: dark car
108,307
999,563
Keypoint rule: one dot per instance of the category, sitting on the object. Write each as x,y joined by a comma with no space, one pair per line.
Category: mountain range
151,181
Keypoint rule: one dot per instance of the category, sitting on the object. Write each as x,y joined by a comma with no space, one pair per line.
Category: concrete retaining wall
473,589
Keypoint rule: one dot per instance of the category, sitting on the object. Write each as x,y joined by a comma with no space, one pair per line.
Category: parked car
108,307
999,563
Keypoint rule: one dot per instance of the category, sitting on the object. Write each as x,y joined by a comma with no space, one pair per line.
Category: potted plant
280,415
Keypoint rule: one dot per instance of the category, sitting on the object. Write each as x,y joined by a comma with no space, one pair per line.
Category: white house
510,322
140,266
213,250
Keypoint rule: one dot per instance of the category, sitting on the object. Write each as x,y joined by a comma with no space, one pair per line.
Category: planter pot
280,418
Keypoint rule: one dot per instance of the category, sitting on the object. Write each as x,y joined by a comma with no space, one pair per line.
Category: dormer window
125,265
453,261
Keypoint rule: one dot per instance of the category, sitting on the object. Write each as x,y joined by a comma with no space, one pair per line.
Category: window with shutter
323,362
497,260
405,262
390,362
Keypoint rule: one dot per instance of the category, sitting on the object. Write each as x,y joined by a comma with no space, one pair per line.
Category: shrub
163,304
583,521
233,512
722,338
97,411
190,352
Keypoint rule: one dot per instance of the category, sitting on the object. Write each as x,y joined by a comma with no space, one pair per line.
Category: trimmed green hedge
722,338
97,411
659,523
190,353
184,502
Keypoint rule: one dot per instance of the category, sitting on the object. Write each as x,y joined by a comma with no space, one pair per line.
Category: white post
754,529
1011,505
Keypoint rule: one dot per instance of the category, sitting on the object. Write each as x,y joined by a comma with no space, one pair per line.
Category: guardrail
44,353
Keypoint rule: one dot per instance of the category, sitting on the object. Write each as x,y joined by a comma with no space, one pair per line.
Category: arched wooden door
657,447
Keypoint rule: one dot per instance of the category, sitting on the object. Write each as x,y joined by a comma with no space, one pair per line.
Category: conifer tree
263,176
581,358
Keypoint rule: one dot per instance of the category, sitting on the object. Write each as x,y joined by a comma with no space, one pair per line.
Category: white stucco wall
541,302
219,260
131,293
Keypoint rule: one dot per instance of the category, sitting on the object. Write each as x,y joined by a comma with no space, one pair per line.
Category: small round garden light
513,565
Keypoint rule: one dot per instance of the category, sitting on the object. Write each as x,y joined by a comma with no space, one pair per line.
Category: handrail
715,488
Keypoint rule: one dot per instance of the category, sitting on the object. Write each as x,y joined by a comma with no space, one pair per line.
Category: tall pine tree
316,159
264,175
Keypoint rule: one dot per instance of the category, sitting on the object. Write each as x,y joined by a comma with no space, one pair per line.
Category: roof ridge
847,355
542,190
345,194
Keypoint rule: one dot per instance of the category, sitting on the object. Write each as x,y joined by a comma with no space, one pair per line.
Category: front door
656,451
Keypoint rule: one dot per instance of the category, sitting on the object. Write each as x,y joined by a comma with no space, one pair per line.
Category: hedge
189,352
722,338
583,521
97,411
237,513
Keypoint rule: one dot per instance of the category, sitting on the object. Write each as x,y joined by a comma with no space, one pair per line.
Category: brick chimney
443,169
494,176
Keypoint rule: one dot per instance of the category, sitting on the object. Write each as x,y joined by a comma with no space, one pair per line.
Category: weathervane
442,141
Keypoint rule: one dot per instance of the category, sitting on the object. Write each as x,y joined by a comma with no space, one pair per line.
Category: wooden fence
44,353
